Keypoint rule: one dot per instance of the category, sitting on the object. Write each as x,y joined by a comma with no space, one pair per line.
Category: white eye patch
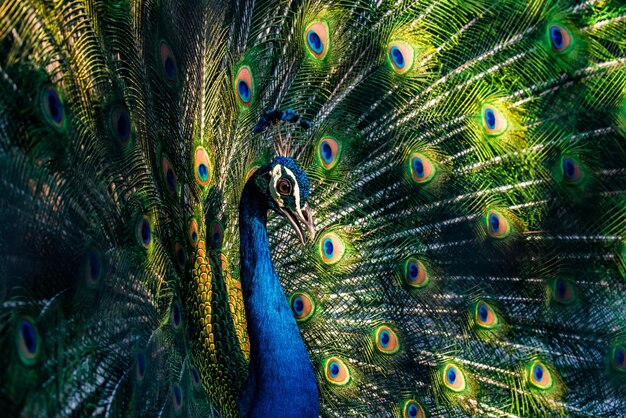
276,174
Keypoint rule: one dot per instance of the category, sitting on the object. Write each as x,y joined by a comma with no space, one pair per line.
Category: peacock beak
301,219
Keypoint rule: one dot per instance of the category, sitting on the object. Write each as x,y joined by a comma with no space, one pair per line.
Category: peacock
303,208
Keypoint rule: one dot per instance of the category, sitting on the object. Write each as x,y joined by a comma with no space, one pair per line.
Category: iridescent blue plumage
281,374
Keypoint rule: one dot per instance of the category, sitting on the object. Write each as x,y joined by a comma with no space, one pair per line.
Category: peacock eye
386,340
400,56
540,376
619,358
560,38
336,371
302,306
453,378
284,187
140,366
317,39
28,341
412,409
485,316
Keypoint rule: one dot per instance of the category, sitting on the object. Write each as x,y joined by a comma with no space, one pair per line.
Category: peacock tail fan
468,184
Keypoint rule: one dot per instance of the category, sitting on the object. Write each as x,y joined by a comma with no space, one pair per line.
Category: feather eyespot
401,56
415,274
331,248
618,358
560,38
453,378
494,122
562,291
175,316
177,397
412,409
244,86
120,124
302,306
179,252
422,170
539,375
329,152
217,234
195,377
143,232
317,39
140,366
497,225
52,107
168,63
193,232
571,171
93,268
485,316
386,340
202,167
169,175
28,343
336,371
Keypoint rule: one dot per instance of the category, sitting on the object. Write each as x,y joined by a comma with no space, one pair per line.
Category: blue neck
282,381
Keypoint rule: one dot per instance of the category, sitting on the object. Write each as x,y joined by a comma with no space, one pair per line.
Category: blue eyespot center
412,411
29,337
315,42
620,356
145,231
334,369
194,236
413,270
216,237
141,364
178,396
569,168
180,255
538,372
171,179
561,288
418,167
557,37
203,171
490,118
170,68
384,338
54,106
244,90
451,375
123,126
494,222
483,312
94,265
327,152
328,247
176,314
298,305
397,57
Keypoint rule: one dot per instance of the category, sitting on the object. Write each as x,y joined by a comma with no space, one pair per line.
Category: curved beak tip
302,222
307,220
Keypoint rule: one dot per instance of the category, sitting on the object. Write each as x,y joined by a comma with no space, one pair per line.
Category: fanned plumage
467,178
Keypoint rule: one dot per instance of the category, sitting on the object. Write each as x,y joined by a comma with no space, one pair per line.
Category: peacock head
286,187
